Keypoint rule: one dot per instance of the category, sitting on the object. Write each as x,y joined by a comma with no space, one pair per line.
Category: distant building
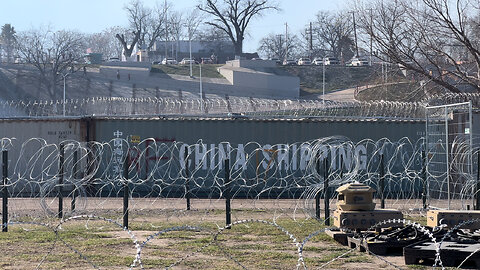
221,50
93,58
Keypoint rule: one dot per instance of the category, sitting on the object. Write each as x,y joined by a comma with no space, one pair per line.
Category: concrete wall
137,69
251,63
147,65
250,74
281,86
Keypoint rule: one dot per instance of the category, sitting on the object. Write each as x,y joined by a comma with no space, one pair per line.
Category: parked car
277,61
187,61
113,59
359,62
318,61
331,61
169,61
304,62
289,62
206,60
156,62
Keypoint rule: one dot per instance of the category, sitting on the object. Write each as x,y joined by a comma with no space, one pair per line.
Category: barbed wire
292,175
237,106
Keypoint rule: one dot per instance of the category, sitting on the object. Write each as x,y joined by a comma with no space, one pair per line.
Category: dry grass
82,243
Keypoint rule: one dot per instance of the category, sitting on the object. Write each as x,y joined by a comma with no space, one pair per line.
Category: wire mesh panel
449,155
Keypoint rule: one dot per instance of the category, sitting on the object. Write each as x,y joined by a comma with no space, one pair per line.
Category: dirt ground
266,234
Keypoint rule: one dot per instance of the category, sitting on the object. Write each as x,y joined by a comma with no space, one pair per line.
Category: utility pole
311,40
166,30
323,81
371,33
355,33
286,41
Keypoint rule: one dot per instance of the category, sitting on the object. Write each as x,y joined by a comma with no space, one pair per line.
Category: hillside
400,91
338,77
208,71
20,82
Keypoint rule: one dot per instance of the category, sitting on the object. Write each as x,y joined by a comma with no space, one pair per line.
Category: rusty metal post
187,180
5,192
228,210
381,185
327,193
126,192
61,174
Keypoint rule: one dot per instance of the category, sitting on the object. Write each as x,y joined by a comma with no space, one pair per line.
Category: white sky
90,16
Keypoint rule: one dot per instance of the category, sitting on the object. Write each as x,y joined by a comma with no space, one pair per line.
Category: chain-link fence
449,152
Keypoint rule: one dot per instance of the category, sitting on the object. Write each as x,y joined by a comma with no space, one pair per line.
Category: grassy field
208,70
255,241
336,77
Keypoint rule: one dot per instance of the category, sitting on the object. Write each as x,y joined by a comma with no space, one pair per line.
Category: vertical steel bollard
327,194
341,167
477,196
424,181
126,192
317,196
5,192
187,180
60,180
228,211
75,171
381,185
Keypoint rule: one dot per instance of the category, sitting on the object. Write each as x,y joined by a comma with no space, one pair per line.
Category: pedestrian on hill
118,74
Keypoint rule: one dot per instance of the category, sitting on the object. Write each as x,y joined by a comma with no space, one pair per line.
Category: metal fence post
126,192
424,180
60,180
477,196
74,175
381,185
5,192
228,213
317,196
341,167
327,194
187,180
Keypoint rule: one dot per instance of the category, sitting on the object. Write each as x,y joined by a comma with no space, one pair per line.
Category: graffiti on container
155,149
286,157
117,152
135,139
62,134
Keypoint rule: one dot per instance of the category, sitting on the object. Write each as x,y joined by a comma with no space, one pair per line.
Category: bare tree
8,37
234,16
105,42
175,28
215,40
146,25
275,46
436,39
53,54
192,21
332,32
155,25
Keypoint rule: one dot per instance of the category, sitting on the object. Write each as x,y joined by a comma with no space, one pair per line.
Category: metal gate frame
447,109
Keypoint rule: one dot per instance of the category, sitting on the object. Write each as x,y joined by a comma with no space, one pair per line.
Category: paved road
346,95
